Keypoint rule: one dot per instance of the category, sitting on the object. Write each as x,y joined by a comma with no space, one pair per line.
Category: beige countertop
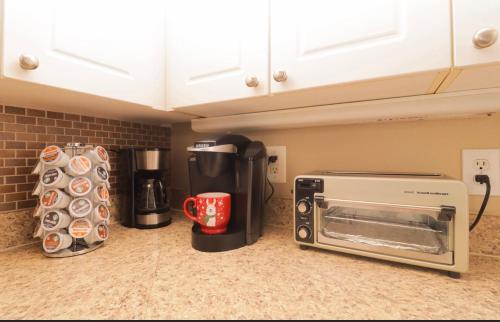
156,274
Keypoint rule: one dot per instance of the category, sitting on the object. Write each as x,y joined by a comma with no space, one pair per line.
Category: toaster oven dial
304,232
304,207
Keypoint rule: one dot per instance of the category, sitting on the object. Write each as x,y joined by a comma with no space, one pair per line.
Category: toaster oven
417,219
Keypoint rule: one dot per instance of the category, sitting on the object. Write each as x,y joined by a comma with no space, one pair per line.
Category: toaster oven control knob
304,207
304,233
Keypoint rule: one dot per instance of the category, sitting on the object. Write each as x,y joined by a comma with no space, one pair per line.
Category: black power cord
271,159
272,191
482,179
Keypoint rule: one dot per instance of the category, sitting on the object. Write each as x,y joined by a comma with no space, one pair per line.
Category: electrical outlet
276,171
482,164
486,162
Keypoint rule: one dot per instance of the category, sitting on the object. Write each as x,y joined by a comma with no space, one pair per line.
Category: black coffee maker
143,183
232,164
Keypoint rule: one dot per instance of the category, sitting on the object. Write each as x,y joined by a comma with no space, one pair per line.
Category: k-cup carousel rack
73,207
75,250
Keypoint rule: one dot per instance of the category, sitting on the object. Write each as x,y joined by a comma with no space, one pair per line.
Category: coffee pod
99,155
80,228
37,168
80,208
79,166
100,233
56,241
54,199
37,190
79,187
55,220
38,232
38,210
54,178
54,156
100,175
101,214
101,195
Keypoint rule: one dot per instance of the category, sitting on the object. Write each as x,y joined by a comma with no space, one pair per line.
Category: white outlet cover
280,165
469,170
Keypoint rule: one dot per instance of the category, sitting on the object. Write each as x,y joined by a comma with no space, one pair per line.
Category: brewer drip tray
232,239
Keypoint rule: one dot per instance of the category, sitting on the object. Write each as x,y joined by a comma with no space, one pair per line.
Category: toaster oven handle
447,213
442,213
320,202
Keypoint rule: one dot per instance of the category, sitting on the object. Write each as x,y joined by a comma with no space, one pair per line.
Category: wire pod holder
73,208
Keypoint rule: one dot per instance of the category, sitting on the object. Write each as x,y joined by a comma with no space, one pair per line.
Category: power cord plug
482,179
272,159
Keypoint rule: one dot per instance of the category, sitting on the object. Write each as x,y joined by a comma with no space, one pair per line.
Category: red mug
214,211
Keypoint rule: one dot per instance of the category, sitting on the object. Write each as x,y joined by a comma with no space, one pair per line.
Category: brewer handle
188,213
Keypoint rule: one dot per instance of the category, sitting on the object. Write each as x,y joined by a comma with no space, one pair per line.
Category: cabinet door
213,47
111,48
469,19
327,42
477,67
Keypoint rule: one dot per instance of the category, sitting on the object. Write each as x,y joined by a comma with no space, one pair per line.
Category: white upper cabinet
477,45
111,48
327,42
476,26
217,50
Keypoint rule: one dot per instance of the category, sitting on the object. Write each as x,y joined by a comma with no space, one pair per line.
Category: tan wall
424,146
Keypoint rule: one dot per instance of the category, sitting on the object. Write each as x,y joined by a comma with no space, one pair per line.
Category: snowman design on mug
211,217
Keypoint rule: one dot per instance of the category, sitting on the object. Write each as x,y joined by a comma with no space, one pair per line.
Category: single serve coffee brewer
234,165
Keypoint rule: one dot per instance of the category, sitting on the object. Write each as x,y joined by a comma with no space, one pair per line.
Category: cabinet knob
29,62
485,38
280,76
252,81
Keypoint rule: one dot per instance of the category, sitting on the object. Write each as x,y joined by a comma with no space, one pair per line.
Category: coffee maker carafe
151,195
236,165
143,183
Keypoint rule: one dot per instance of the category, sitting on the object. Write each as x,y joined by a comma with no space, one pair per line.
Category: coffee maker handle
186,208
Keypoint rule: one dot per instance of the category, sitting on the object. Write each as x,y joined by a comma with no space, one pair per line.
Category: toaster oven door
413,232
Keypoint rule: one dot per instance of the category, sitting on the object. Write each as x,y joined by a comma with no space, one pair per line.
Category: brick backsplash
25,132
